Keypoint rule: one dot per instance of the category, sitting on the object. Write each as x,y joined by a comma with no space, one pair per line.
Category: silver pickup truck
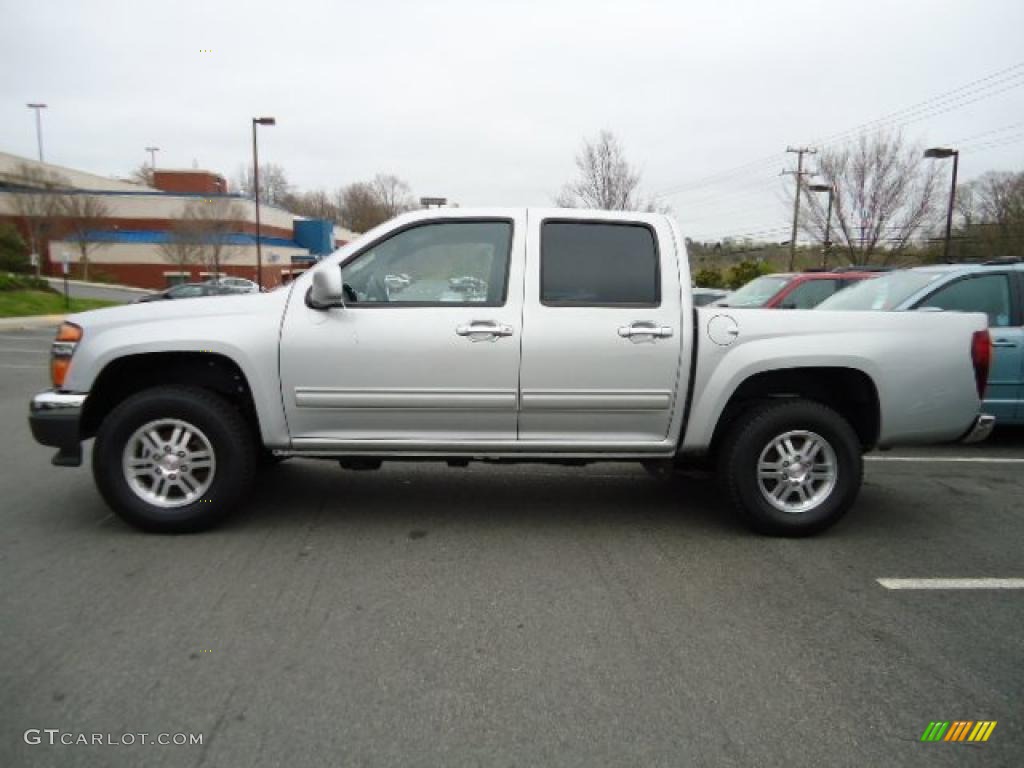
561,336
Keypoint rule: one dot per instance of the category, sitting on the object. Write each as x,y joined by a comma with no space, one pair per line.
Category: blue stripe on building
154,236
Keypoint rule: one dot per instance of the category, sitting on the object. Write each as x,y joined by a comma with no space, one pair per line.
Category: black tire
234,447
751,434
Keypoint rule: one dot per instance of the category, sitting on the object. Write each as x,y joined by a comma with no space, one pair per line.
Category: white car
237,284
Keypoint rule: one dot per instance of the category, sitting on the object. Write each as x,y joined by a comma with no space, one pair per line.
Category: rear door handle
481,331
1003,343
645,330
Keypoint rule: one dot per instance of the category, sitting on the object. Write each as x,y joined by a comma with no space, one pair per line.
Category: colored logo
958,730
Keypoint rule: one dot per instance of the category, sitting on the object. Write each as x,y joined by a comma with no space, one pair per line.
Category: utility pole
799,173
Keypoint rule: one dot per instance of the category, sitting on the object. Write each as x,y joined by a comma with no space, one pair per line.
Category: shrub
744,272
709,278
13,252
12,282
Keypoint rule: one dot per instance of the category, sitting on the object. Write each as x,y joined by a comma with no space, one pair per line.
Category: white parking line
952,583
37,367
22,349
947,459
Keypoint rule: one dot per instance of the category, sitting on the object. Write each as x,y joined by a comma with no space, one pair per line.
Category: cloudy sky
486,102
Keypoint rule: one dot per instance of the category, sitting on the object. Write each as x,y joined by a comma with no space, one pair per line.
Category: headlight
68,336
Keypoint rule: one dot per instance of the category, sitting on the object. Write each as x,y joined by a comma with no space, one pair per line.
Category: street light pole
39,126
827,245
940,153
152,157
256,190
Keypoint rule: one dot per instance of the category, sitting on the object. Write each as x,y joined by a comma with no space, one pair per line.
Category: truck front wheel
791,468
174,459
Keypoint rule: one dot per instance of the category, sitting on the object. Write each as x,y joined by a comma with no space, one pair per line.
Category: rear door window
810,294
985,293
598,264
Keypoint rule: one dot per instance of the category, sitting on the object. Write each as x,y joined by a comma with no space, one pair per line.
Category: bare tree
38,205
84,213
142,175
885,196
214,221
991,216
182,248
998,197
274,186
359,207
605,179
365,204
316,204
393,194
203,233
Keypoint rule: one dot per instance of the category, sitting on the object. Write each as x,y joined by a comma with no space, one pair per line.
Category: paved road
79,290
505,616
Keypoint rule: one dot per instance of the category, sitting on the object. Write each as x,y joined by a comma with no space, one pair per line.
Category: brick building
143,236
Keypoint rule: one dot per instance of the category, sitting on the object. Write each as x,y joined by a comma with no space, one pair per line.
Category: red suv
792,290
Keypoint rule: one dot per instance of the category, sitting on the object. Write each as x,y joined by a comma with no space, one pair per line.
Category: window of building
598,264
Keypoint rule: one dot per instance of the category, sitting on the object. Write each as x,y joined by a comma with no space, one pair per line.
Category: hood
213,307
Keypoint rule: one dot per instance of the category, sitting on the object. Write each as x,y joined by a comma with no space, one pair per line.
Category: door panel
1005,392
990,293
427,348
601,331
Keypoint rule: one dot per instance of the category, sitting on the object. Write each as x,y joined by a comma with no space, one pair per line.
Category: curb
29,322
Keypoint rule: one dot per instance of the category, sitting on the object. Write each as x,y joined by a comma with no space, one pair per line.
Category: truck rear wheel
174,459
791,468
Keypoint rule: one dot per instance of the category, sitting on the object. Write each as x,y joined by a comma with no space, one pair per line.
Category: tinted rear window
598,264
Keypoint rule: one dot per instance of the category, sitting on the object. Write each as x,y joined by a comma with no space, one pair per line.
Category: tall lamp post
827,245
256,189
152,157
39,126
941,153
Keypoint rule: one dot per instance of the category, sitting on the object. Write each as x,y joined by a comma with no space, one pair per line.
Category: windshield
756,293
887,292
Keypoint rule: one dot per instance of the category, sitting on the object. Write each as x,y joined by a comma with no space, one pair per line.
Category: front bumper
55,419
981,429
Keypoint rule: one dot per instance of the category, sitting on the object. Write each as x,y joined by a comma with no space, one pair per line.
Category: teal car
995,288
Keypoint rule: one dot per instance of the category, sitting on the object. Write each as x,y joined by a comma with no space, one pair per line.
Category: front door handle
481,331
648,330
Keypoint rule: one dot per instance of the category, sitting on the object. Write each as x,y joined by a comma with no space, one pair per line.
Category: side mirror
327,290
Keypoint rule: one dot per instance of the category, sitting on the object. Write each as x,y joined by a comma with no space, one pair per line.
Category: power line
956,98
964,91
966,139
994,144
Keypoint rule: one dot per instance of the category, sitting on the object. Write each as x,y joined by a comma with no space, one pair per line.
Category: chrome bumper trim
981,429
57,401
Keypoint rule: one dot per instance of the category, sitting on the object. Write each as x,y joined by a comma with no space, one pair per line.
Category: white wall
77,179
159,205
149,253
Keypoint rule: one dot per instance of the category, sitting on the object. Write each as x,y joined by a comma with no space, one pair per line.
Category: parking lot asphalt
512,615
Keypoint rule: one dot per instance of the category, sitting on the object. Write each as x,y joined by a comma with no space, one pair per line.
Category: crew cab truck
562,336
